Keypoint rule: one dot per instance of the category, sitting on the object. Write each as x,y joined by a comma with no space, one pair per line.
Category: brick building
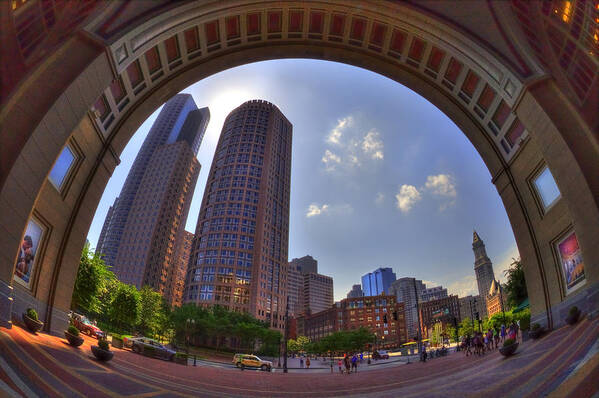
443,310
382,315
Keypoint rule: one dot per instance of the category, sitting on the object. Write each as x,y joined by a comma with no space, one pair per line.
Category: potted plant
72,335
117,341
181,358
102,351
535,331
509,347
573,315
31,320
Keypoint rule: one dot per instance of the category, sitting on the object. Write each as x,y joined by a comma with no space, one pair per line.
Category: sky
380,177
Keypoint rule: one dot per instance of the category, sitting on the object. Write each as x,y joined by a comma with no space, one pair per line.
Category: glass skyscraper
378,282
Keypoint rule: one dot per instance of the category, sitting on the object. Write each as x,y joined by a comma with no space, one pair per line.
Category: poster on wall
26,259
571,261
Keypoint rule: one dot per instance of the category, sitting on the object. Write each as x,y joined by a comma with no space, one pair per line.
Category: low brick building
382,315
443,310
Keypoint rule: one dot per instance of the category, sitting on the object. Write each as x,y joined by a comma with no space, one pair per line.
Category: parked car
380,354
86,326
151,348
251,361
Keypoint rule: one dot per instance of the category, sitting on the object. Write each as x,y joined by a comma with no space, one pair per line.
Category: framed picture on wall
571,261
27,257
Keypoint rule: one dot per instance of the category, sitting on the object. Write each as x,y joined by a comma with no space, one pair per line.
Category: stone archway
109,73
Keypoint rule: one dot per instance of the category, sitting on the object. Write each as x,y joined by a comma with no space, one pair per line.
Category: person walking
502,333
354,363
347,364
340,363
331,365
301,362
308,363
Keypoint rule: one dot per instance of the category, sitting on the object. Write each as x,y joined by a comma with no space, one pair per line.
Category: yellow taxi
251,361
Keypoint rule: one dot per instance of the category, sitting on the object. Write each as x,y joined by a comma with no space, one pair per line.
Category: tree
89,282
465,327
124,309
292,346
149,310
302,342
515,286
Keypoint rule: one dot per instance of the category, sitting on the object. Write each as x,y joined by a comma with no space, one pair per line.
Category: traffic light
385,318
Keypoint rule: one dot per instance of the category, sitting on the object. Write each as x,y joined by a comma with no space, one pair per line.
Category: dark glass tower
239,254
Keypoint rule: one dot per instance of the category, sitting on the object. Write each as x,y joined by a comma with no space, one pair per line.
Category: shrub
508,342
117,337
535,327
73,330
31,313
573,310
103,344
525,322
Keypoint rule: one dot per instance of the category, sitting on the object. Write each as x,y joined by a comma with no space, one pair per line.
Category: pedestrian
340,363
502,333
347,364
308,363
331,365
354,363
361,357
424,354
496,337
301,362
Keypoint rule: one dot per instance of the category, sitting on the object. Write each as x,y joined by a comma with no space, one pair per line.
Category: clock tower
484,271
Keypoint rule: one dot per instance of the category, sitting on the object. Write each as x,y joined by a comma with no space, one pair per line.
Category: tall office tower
103,241
318,292
295,290
356,291
165,130
156,212
378,282
434,293
305,264
484,271
239,253
409,291
182,259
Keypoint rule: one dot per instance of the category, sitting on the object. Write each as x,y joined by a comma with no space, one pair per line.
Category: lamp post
419,335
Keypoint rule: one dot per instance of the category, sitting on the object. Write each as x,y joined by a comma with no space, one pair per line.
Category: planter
181,360
75,341
572,319
116,342
33,325
535,334
102,355
509,350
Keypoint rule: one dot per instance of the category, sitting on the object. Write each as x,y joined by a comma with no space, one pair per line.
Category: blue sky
379,178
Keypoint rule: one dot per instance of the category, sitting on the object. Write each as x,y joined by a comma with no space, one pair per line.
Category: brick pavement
46,366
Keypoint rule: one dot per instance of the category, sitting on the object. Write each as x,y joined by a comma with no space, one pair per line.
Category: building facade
470,306
483,267
182,258
378,282
155,208
434,293
318,292
239,254
445,310
356,291
382,315
295,290
496,301
409,292
305,264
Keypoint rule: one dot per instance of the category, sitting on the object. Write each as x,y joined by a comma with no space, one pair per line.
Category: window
546,188
61,168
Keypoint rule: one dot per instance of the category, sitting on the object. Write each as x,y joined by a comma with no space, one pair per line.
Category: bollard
194,360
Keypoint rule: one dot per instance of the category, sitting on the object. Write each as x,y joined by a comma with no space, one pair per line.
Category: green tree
149,311
124,309
465,327
89,283
302,342
515,286
292,346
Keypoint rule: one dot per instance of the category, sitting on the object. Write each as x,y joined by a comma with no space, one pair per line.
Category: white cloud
407,197
334,136
379,199
373,145
465,286
315,210
441,185
330,160
333,210
430,284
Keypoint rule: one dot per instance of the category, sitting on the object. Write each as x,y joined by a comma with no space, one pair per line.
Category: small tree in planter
102,351
509,347
536,331
72,335
573,315
31,320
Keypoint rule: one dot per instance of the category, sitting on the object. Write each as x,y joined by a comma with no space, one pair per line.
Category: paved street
564,363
